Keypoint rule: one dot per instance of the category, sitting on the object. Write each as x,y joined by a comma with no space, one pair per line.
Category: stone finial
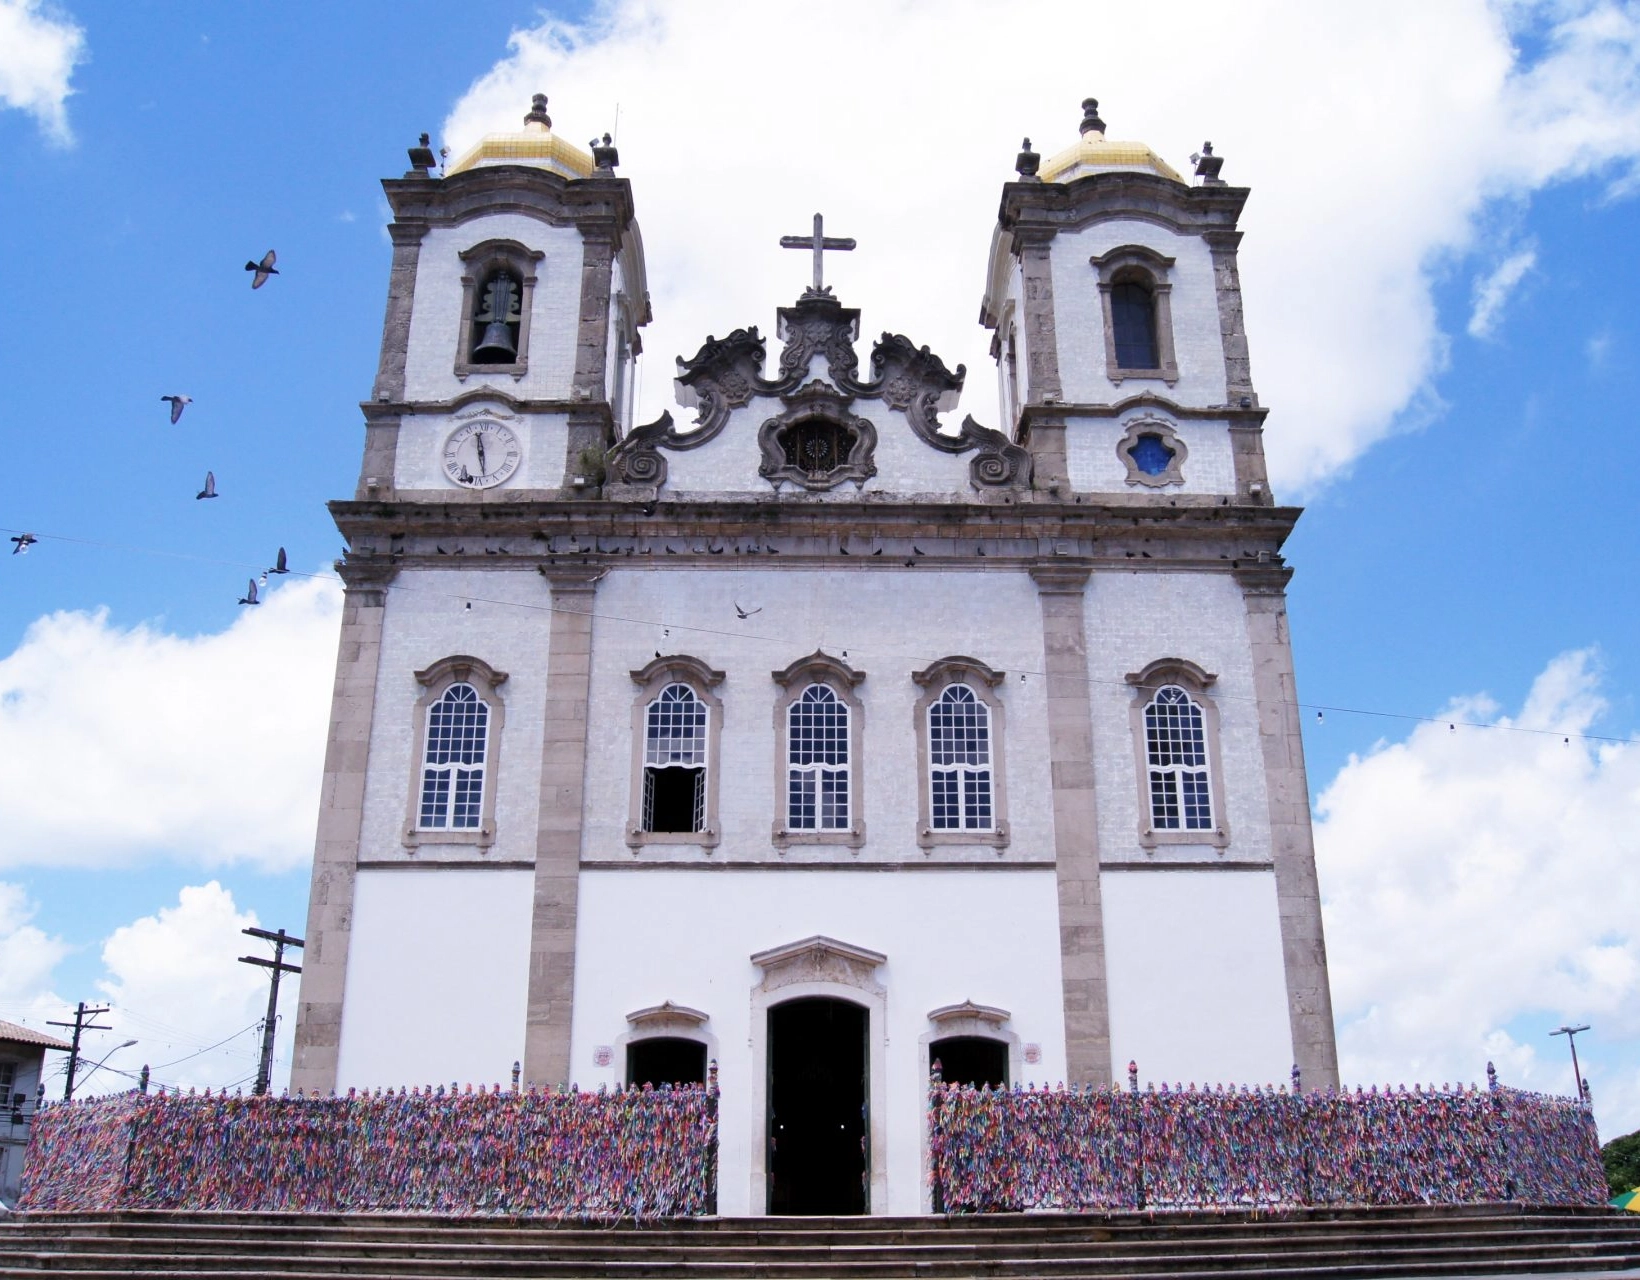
604,155
422,159
1027,163
538,112
1091,123
1208,165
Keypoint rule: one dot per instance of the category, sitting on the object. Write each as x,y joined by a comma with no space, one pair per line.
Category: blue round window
1151,455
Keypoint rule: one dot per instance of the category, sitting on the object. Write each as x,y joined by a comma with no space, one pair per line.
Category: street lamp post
1570,1033
73,1084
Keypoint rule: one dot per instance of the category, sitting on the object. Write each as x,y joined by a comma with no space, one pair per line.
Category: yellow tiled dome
1093,154
535,146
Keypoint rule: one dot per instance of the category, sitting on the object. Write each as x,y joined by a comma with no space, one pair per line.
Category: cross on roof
819,242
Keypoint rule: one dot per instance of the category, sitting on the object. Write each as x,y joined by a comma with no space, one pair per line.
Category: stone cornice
1056,413
1031,210
599,206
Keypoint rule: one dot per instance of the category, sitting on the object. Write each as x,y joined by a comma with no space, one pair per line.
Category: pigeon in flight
279,564
250,593
263,269
746,613
209,491
178,404
22,542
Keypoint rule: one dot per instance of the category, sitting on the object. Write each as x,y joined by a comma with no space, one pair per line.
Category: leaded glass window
1151,454
674,761
452,776
1133,319
1176,750
817,747
816,446
959,756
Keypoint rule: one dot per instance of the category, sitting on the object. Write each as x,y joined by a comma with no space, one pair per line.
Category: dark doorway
818,1156
666,1060
970,1060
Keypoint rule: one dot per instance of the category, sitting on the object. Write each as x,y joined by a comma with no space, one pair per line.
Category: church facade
813,731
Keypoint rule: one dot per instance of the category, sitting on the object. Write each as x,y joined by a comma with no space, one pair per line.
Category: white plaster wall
1197,988
1079,315
687,936
437,969
729,462
435,321
892,621
426,620
419,459
1095,465
1133,619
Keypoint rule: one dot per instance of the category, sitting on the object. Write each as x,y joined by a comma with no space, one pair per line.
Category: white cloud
176,986
39,49
1492,291
27,957
1374,140
1482,886
131,744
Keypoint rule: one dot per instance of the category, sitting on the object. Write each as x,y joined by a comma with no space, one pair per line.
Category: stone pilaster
336,848
1238,367
1041,335
1062,591
1298,895
592,431
401,294
558,835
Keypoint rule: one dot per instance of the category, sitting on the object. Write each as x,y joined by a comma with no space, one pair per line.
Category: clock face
481,454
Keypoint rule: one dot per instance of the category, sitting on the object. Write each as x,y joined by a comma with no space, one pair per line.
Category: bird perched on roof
279,563
250,593
22,542
209,491
263,269
178,404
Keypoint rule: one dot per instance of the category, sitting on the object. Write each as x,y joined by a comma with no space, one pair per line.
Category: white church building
815,728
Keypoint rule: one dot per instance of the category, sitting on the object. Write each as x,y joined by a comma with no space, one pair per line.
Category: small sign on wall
1033,1054
602,1055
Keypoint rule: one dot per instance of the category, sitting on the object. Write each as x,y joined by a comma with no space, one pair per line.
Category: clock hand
479,441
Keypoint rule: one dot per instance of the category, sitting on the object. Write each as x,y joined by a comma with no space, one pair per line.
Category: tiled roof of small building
27,1035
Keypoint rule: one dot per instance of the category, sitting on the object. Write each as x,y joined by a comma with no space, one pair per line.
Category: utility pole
80,1023
1571,1039
280,940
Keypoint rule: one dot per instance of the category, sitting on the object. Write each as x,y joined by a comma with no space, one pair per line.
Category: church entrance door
819,1162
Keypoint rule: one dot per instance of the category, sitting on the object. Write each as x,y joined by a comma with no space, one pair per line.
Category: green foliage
1621,1157
592,462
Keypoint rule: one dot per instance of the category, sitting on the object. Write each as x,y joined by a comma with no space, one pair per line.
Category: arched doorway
659,1060
819,1157
970,1060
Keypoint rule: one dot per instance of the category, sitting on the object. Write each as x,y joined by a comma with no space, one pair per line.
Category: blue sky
1441,270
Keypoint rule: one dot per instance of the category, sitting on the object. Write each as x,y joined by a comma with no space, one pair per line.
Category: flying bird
746,613
178,404
263,269
209,491
250,593
22,542
279,564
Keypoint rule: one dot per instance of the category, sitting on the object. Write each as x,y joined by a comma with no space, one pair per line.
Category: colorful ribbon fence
1226,1148
635,1153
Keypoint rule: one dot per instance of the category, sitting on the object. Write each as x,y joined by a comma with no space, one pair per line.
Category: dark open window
674,775
1133,318
673,799
496,320
666,1060
817,446
970,1060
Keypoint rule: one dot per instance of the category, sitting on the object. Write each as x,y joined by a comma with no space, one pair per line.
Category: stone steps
1466,1241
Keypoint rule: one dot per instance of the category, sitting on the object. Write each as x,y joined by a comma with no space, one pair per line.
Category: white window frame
1193,682
436,681
985,685
840,680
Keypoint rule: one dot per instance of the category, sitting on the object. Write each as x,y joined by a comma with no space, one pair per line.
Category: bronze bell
496,347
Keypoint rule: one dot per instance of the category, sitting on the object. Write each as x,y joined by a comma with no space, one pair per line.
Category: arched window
817,756
959,760
1181,798
497,295
676,724
818,731
1176,726
1137,303
1133,319
674,763
459,722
